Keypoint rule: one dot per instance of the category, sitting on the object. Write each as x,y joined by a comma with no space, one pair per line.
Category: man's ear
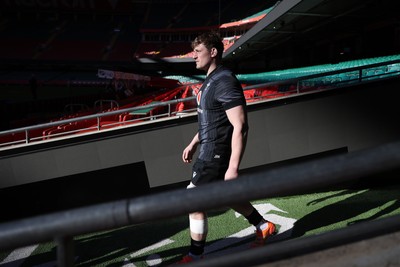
214,52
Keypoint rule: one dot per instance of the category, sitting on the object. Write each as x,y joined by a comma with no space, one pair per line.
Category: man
222,136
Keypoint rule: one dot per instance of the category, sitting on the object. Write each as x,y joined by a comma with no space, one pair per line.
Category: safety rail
295,179
285,88
96,117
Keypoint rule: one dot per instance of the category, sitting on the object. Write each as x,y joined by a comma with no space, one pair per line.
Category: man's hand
189,151
187,154
231,174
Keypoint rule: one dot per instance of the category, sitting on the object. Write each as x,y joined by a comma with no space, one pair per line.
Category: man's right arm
188,152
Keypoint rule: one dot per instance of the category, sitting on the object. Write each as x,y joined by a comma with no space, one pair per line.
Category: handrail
291,180
296,81
96,116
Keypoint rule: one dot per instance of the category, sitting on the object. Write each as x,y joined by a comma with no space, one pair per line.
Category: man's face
202,57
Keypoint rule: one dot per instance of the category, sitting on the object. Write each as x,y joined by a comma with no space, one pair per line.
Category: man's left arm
238,118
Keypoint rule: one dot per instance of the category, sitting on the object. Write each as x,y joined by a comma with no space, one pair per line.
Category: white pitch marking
152,247
286,225
153,260
17,256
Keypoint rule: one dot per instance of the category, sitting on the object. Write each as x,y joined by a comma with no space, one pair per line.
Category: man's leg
264,228
198,226
198,232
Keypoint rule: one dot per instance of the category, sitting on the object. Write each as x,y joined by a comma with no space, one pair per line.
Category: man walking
221,138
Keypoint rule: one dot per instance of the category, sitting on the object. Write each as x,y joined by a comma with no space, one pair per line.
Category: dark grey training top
220,91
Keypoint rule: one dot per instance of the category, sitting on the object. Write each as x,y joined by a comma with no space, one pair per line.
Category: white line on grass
17,256
152,247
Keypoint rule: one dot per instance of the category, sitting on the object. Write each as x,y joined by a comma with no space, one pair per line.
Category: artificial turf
159,243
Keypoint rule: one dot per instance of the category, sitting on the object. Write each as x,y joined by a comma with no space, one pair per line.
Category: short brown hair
210,40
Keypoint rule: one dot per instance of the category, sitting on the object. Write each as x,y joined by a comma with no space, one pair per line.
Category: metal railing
300,178
97,127
303,85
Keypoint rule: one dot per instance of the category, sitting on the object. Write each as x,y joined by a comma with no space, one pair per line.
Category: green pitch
160,243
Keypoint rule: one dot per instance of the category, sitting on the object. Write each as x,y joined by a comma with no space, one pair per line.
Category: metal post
26,136
298,87
65,251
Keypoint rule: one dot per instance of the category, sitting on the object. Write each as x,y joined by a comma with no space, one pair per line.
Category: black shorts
204,172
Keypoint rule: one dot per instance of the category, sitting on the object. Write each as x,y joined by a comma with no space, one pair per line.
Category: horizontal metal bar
291,180
95,116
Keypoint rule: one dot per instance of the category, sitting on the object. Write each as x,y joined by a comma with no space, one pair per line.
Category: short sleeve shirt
220,91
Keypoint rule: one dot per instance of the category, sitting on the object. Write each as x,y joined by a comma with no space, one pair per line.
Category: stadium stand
262,86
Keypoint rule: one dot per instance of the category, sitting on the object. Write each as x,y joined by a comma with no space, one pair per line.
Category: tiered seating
20,137
148,49
111,120
287,74
74,50
181,106
20,48
229,41
163,50
249,94
267,92
178,49
158,18
62,128
90,40
191,90
165,96
122,51
22,38
124,42
262,92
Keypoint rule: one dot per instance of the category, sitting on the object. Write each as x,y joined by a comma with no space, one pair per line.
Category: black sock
197,247
254,218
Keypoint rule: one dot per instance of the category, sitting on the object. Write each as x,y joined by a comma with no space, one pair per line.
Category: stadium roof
298,28
293,30
312,22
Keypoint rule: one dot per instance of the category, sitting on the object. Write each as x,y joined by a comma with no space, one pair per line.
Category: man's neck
212,67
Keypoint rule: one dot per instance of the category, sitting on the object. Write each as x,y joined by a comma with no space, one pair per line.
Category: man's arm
188,152
238,118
